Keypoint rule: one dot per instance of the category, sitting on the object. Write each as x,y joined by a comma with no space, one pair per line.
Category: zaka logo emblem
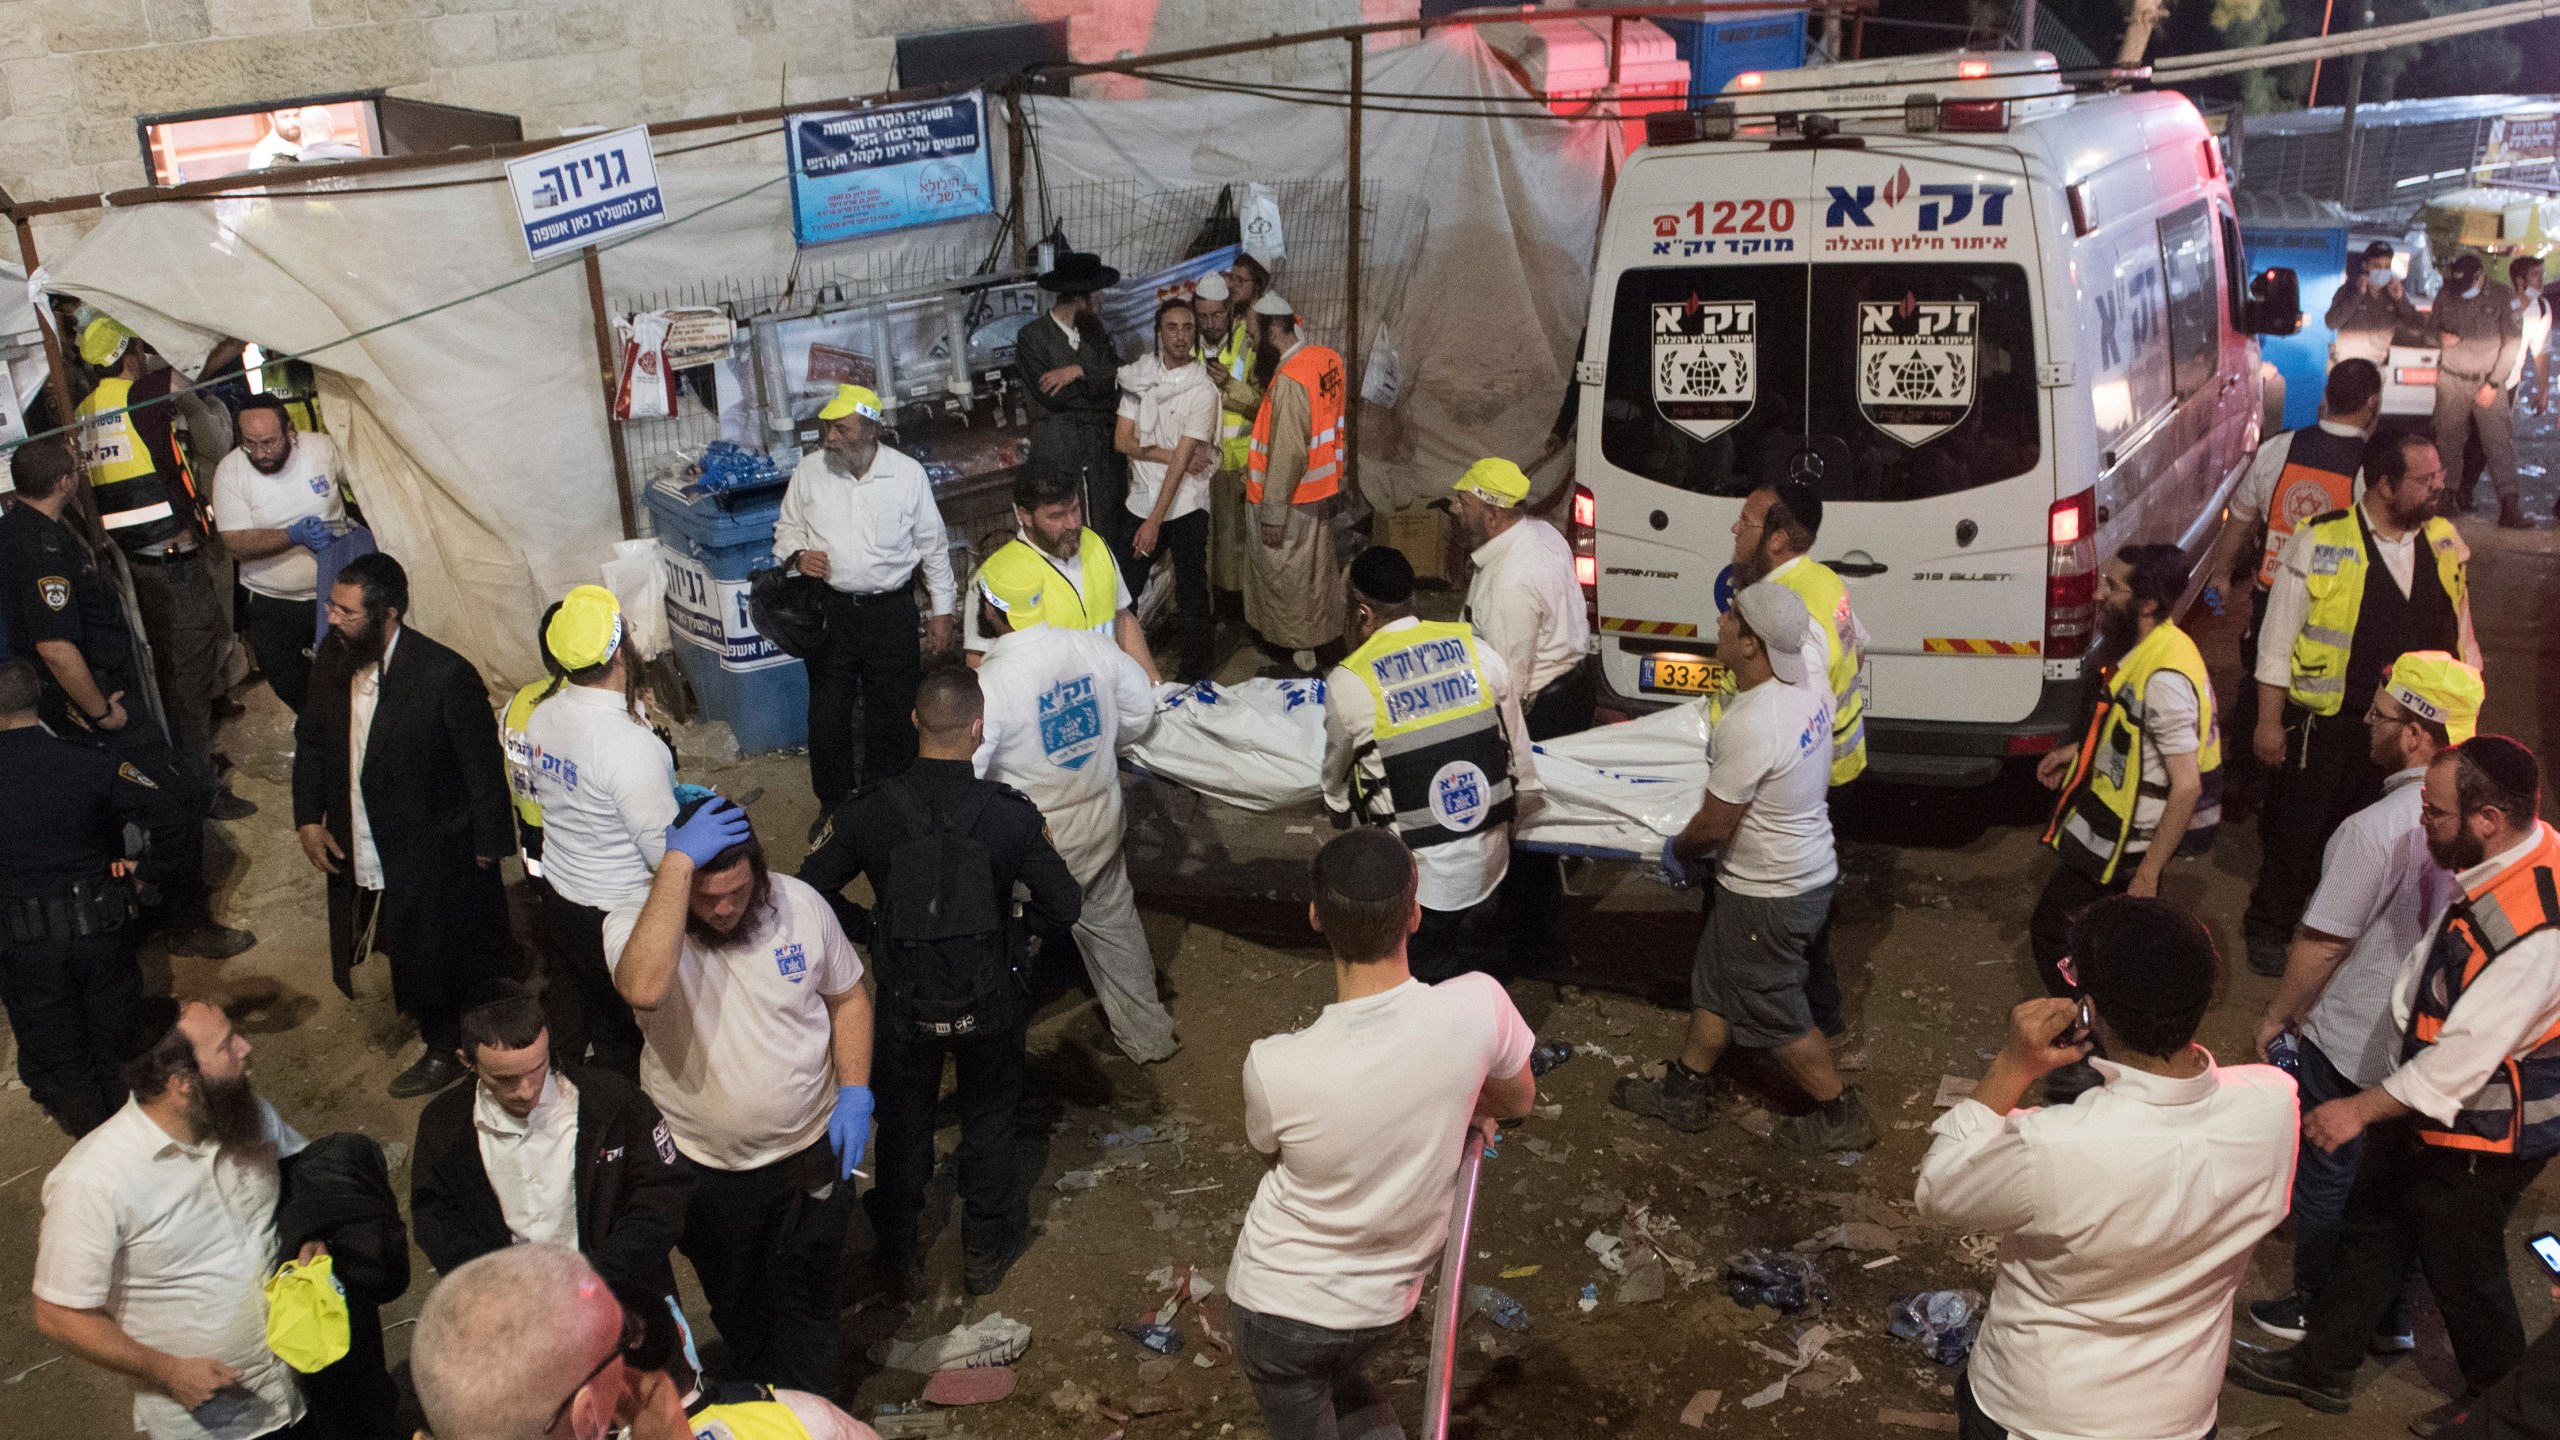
1917,360
1706,363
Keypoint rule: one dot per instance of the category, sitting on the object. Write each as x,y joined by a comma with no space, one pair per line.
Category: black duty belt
165,557
74,911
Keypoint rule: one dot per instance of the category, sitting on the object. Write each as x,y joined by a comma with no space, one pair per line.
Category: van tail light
2084,208
2071,576
2413,375
1974,115
1583,530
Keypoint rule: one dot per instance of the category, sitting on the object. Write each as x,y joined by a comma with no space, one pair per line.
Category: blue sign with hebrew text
889,167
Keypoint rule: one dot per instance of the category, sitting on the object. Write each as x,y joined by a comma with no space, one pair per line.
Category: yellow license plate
1677,674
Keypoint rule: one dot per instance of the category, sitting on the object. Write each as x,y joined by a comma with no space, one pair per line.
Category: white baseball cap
1777,615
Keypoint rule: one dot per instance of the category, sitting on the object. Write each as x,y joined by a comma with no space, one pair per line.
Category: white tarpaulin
1618,789
475,435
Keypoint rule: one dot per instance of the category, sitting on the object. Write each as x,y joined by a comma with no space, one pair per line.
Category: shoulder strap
921,818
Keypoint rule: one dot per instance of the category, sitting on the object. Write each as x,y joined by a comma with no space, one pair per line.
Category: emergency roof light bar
1957,91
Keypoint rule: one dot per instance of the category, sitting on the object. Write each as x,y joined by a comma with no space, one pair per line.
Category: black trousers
353,1398
583,1007
280,636
70,1003
188,623
1185,541
1532,892
2067,892
906,1084
2525,1405
2240,721
1438,949
871,647
1972,1424
2448,1208
2328,775
766,1244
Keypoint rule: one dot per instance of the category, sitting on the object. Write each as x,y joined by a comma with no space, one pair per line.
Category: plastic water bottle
2285,1054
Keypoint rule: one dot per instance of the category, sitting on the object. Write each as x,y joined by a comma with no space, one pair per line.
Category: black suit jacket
630,1184
435,797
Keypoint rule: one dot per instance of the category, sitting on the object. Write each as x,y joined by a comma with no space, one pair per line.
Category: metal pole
2027,24
2312,96
55,382
1352,377
2347,122
604,365
1013,126
1450,1306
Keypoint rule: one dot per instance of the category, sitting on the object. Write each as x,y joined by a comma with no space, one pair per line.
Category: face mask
2473,293
2378,278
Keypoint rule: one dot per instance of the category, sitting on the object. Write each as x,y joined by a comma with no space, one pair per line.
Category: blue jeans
2321,1180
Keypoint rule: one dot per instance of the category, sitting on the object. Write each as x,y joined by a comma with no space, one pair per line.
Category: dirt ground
1931,943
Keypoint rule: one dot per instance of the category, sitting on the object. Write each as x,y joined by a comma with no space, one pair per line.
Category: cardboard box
1424,535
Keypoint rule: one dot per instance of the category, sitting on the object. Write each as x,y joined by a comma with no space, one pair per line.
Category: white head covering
1212,286
1272,304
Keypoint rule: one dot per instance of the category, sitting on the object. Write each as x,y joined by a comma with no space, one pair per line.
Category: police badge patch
126,772
665,1143
55,590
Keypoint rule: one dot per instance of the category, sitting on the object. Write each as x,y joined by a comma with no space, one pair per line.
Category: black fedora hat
1079,273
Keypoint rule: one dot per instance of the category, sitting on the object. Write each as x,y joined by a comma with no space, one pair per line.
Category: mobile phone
2080,1031
2546,1248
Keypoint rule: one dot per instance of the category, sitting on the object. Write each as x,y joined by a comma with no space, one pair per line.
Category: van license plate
1677,674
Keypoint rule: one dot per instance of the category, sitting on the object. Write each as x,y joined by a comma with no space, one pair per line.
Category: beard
262,467
1753,568
2119,631
352,652
2408,512
227,1111
850,460
2466,851
1266,363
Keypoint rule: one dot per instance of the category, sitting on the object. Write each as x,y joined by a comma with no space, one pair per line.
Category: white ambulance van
2001,326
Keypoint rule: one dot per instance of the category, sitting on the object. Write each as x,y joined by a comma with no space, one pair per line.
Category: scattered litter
1179,1284
1847,1158
1700,1406
1601,1204
1773,1278
1546,1109
1198,1189
1606,1246
982,1386
1585,1047
1156,1371
1079,1180
1301,829
1549,1055
1776,1391
1521,1272
1720,1189
1809,1351
1551,1151
1161,1338
1722,1316
1147,1135
23,1174
1071,1398
1863,1235
1155,1403
1880,1263
1498,1307
1953,1090
896,1422
1201,1359
1590,1300
1645,1280
1942,1323
993,1340
1917,1420
30,1370
1759,1122
1980,1249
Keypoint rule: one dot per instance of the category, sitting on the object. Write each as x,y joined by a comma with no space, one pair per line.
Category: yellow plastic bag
307,1315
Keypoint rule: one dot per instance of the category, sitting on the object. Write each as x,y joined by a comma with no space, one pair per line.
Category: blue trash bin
707,550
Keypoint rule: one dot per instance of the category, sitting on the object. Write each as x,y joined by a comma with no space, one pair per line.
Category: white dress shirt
1456,874
877,528
1060,705
1525,603
247,498
2380,889
364,694
2533,317
532,1163
1168,407
2289,603
174,1242
2510,1004
2125,1223
608,792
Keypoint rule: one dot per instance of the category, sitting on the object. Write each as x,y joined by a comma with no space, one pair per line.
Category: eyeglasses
635,1332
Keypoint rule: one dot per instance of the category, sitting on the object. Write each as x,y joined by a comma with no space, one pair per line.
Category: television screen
200,146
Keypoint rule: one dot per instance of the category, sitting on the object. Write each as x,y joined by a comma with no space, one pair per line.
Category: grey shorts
1751,964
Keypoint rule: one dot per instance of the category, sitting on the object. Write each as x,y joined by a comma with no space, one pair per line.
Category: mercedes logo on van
1805,465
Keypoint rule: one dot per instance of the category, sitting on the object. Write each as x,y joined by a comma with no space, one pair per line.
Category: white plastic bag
1259,221
1257,745
640,583
1622,788
648,390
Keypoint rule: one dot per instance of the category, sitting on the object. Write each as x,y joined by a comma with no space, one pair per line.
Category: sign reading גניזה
860,172
593,189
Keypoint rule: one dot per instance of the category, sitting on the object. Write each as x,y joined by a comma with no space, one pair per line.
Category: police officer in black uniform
65,617
918,1022
67,970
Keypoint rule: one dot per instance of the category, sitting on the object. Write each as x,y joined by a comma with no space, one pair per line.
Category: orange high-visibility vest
2518,1111
1320,371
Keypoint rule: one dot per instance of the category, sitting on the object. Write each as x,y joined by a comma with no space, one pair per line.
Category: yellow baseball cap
307,1315
1497,481
852,400
103,340
2435,686
587,630
1012,580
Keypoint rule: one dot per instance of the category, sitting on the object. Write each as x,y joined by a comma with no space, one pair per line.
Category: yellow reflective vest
515,739
1095,605
137,504
759,1419
1436,731
1235,428
1826,599
2336,583
2096,812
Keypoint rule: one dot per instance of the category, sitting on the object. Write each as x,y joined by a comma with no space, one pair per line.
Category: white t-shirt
246,498
174,1242
1169,406
2379,888
1060,706
738,1054
1366,1110
1771,751
2170,712
607,787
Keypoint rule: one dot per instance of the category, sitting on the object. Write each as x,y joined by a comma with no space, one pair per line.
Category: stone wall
75,73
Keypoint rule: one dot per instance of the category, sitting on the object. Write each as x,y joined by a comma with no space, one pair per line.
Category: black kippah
1383,574
2506,762
153,1019
1365,866
2144,959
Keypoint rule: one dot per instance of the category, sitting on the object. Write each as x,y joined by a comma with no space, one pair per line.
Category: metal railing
1450,1306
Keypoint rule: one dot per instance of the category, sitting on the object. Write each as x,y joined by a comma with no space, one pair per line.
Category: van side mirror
2275,302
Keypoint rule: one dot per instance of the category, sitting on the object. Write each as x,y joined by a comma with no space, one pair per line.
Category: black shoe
982,1271
2275,1372
2281,1317
1678,1099
1818,1132
2441,1418
434,1071
227,806
901,1276
2266,957
203,938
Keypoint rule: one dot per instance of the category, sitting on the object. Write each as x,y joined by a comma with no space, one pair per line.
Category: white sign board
591,190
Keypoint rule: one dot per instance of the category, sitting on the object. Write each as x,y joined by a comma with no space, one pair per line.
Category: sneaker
982,1271
1678,1099
227,806
433,1072
2511,514
1816,1132
2441,1418
2280,1317
2273,1372
2392,1339
205,939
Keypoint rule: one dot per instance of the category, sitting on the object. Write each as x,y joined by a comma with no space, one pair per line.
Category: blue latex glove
310,532
2212,598
1672,870
849,1127
714,828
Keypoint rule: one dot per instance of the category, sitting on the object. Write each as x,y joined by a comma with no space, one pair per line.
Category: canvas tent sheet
475,432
